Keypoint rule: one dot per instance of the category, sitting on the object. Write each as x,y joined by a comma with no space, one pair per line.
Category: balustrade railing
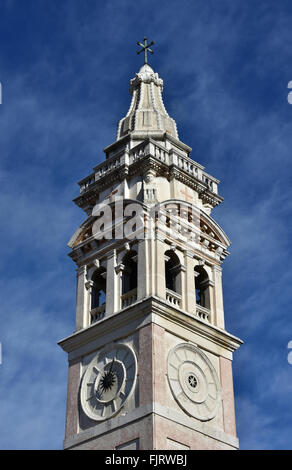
173,298
203,313
161,154
129,298
97,313
86,183
107,166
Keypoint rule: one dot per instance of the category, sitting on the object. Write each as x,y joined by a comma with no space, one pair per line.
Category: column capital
81,270
89,284
207,283
199,261
217,268
189,254
111,254
119,268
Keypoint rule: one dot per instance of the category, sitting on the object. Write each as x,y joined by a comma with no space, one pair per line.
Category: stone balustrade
138,152
202,313
102,170
161,154
97,313
129,298
168,157
86,183
173,298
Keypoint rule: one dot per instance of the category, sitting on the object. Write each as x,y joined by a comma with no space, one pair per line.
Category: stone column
111,285
208,289
182,289
142,269
81,299
160,289
190,290
218,297
211,289
119,271
89,285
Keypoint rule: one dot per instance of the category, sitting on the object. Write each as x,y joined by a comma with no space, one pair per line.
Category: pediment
211,228
208,226
211,236
83,232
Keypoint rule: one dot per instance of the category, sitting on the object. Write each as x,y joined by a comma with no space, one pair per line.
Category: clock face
193,381
108,382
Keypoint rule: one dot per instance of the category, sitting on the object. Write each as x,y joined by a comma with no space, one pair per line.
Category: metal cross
145,49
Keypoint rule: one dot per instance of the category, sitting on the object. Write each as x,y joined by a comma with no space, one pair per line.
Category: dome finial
145,49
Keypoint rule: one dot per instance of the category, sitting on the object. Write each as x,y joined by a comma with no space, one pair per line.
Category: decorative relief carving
193,381
108,382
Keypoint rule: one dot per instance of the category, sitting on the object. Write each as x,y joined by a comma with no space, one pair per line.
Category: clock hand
101,388
92,396
98,391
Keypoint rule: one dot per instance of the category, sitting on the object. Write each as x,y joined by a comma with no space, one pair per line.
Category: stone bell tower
150,361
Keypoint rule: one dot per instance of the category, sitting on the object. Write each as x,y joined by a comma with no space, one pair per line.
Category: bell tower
150,361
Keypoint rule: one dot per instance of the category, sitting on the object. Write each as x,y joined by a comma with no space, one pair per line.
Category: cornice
147,311
147,162
101,429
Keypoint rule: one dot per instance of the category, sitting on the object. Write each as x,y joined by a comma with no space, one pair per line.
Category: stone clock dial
108,382
193,381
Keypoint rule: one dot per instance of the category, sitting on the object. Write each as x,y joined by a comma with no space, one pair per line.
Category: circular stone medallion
193,381
108,381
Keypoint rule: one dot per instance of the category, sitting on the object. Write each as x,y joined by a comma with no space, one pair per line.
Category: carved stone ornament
108,382
193,381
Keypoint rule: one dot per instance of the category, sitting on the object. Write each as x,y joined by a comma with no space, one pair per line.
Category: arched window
172,272
130,274
98,290
202,287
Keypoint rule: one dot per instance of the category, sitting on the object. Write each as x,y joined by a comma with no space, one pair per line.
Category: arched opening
129,279
98,289
172,272
202,287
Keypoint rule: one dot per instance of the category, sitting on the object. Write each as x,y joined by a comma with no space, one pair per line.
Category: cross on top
145,48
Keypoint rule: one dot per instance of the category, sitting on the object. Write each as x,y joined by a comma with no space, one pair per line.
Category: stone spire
147,115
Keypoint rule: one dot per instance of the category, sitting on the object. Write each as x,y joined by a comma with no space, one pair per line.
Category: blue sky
65,68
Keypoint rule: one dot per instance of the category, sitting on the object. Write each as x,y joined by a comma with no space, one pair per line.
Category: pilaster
142,269
190,291
118,292
81,299
218,297
111,283
160,290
